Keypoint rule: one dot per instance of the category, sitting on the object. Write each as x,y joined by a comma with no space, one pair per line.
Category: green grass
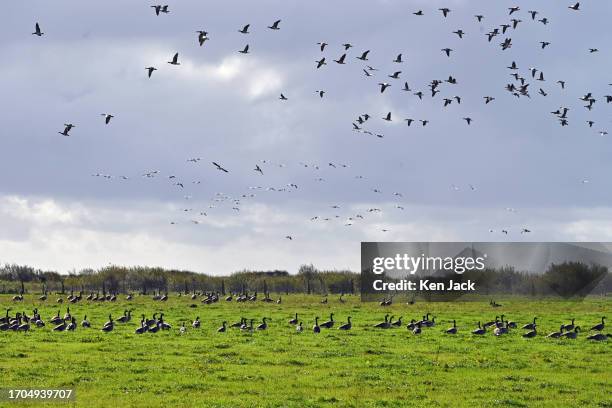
364,367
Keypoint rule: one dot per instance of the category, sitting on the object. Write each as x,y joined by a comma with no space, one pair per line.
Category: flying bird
150,70
107,117
68,127
37,31
245,50
219,167
245,29
174,60
275,25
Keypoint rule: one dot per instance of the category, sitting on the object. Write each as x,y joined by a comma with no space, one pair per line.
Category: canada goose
499,330
127,315
299,328
530,334
72,325
364,56
324,300
556,335
174,60
346,326
279,301
248,327
238,324
568,327
275,25
150,71
574,7
480,330
452,330
600,326
152,321
397,323
223,328
143,327
417,329
196,323
85,322
530,326
571,334
153,329
264,325
294,321
491,323
23,326
245,50
411,325
163,325
67,316
429,323
316,327
245,29
330,323
56,319
598,337
385,324
110,321
60,327
182,329
37,31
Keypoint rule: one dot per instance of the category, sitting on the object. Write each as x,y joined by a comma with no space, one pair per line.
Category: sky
514,167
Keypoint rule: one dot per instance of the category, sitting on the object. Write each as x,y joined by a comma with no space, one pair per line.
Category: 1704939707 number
15,394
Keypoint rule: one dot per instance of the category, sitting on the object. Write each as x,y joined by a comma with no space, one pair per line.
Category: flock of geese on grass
498,327
441,89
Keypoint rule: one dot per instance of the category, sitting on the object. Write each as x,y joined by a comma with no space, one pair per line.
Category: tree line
566,279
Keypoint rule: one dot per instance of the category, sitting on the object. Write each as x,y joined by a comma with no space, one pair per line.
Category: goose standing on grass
600,326
127,315
398,322
56,319
568,327
383,325
530,326
330,323
346,326
316,327
417,329
556,335
501,329
294,321
299,328
571,334
182,329
85,322
60,327
599,337
196,323
143,326
452,330
72,325
223,328
238,324
264,324
530,334
480,330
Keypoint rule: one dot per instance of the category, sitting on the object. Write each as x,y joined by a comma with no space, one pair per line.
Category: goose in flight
202,37
364,56
289,237
460,33
347,46
282,97
322,45
37,31
275,25
258,169
468,120
68,127
395,75
341,59
245,29
150,70
107,117
513,9
245,50
444,11
418,13
321,62
320,92
383,86
479,17
447,51
398,59
174,60
388,117
219,167
574,7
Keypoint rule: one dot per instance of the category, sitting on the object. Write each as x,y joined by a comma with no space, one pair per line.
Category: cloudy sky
456,181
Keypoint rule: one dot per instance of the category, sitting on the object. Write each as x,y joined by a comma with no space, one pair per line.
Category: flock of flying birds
524,83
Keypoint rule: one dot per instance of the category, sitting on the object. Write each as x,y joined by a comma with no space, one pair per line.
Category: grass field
364,367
